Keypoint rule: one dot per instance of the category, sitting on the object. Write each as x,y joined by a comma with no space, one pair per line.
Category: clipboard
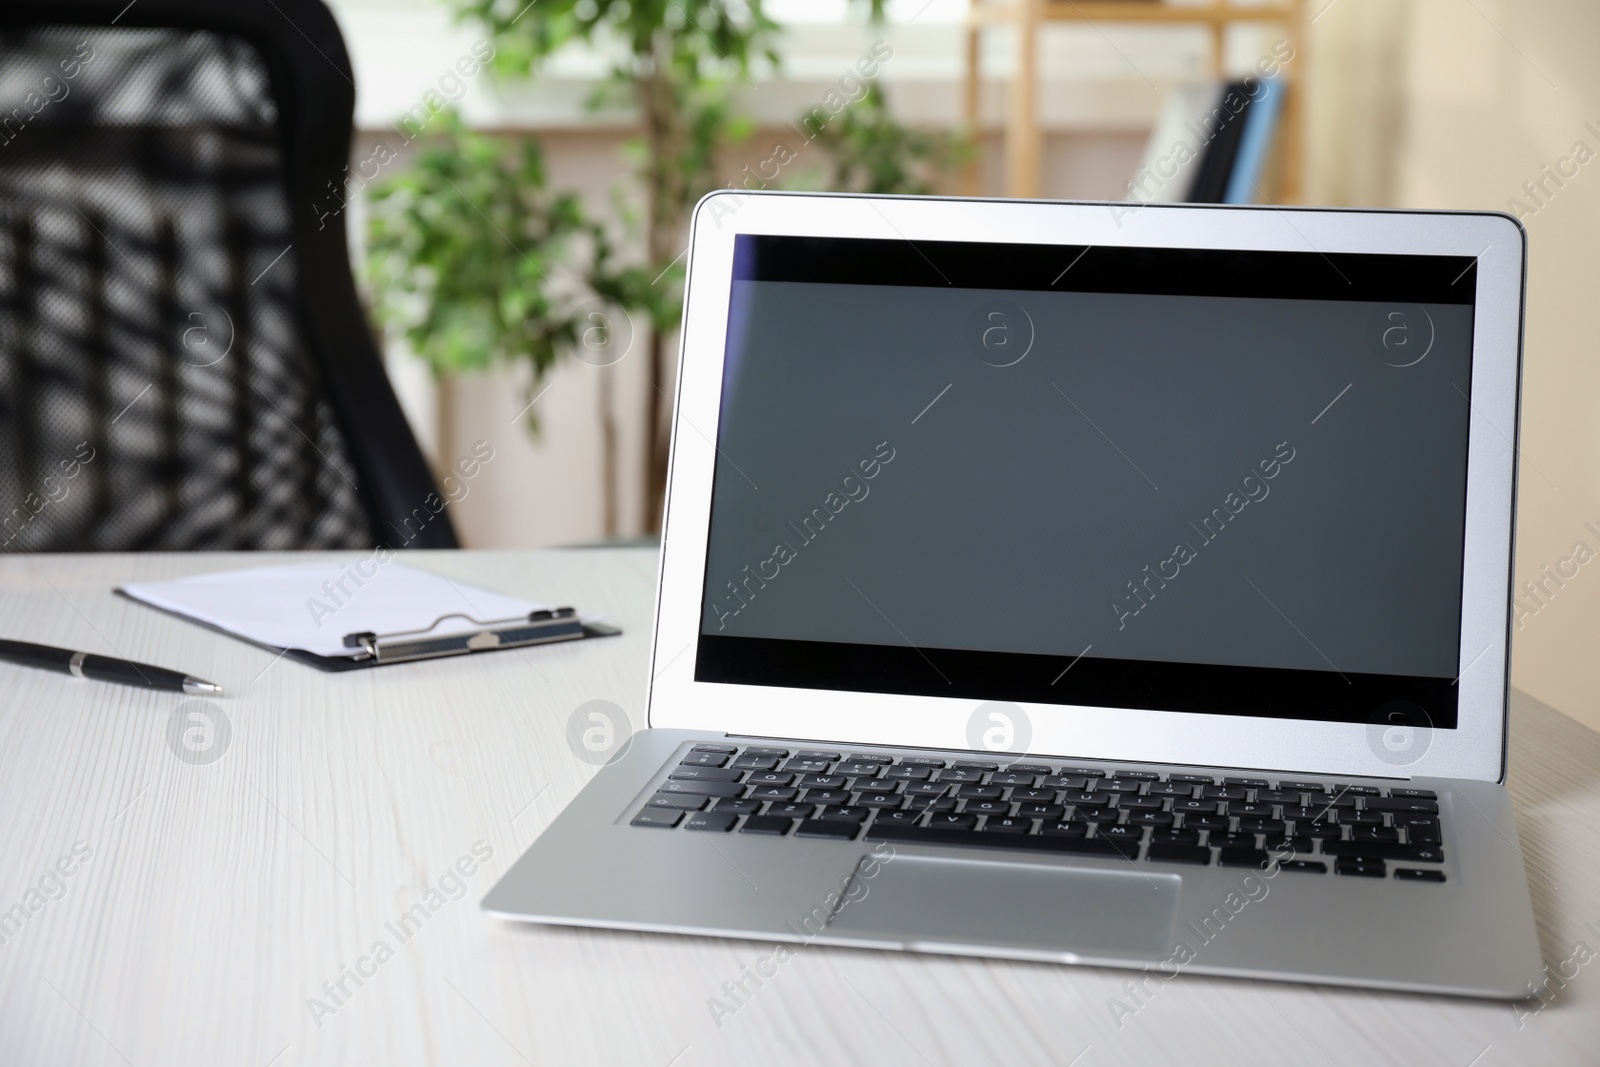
293,610
378,650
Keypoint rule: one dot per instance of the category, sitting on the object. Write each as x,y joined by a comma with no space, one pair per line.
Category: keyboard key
1387,850
1262,826
662,817
959,774
1192,779
703,789
1414,794
926,789
817,781
921,761
1042,796
718,822
1222,792
972,765
1303,787
1323,801
1122,833
1279,796
1058,828
1310,813
1089,800
737,806
1011,778
1417,874
1197,807
928,835
856,767
880,800
1035,810
838,829
1169,789
1029,768
1141,776
1304,866
829,757
807,766
704,759
903,817
725,750
754,763
979,792
676,802
772,778
1374,833
851,814
1122,785
1357,790
1360,868
1423,835
1279,844
1220,839
1178,854
1151,818
766,824
1082,772
931,803
826,796
780,753
1074,782
792,811
774,792
1103,816
705,774
1243,857
1249,807
1205,822
907,773
1321,830
1000,824
1175,837
1361,818
950,820
1131,803
987,807
1406,804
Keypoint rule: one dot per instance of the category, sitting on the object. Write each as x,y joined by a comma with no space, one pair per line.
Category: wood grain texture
219,898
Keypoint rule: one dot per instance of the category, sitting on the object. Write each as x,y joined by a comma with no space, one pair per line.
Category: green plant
462,248
872,152
679,57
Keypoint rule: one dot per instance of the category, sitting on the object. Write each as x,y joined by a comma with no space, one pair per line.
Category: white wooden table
209,902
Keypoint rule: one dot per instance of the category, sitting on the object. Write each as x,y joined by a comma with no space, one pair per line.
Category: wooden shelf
1023,137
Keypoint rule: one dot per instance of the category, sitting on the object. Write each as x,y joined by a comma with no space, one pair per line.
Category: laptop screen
1228,482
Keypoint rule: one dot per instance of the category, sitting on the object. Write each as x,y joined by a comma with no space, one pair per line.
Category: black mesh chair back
184,363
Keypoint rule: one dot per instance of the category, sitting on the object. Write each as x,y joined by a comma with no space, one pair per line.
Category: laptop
1089,583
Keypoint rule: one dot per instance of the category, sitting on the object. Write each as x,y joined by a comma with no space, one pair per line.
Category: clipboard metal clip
538,628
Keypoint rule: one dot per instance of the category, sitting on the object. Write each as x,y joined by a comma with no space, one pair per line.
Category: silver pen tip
195,687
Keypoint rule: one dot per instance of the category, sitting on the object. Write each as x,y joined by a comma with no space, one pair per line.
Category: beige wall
1481,96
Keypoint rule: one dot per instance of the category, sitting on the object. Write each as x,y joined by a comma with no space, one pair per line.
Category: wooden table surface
197,899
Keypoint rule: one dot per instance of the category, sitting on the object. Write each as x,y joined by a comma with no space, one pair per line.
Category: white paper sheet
312,606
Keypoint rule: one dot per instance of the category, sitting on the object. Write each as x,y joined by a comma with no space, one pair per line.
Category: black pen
102,668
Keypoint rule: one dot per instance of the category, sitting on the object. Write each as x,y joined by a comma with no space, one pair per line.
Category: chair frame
313,86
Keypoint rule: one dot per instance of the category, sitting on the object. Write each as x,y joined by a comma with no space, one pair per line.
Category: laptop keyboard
1359,831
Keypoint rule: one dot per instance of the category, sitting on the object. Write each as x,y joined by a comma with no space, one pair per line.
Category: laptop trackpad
939,904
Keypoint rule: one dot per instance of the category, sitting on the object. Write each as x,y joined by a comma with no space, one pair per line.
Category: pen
102,668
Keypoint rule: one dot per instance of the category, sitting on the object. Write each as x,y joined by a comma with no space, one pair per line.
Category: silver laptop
1080,583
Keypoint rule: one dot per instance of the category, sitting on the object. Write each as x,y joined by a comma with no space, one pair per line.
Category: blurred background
521,176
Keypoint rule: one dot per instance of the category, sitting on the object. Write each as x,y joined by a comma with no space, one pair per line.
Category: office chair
184,363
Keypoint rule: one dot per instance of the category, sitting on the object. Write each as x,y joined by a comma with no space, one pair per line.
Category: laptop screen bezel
1474,749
